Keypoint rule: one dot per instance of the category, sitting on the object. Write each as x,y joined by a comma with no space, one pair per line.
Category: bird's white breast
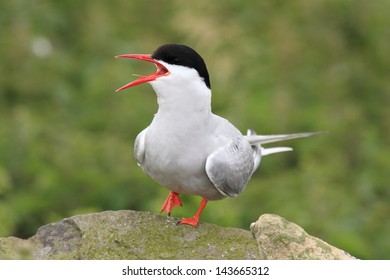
183,133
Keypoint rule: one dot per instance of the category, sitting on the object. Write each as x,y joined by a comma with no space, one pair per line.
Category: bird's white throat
183,91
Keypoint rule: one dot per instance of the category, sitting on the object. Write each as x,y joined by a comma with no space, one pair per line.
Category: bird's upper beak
161,70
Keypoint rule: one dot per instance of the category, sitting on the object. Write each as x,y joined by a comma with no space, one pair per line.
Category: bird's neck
183,115
184,102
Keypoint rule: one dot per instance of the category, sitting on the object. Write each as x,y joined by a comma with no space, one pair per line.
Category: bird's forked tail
257,140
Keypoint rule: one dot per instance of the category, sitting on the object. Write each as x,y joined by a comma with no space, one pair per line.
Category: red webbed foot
172,200
195,219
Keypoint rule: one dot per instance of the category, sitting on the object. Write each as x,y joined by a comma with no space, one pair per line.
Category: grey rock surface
142,235
280,239
130,235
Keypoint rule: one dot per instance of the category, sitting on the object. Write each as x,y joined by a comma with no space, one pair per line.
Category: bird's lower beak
161,70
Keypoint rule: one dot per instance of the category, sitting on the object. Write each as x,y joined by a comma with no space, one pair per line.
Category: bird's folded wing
230,167
139,147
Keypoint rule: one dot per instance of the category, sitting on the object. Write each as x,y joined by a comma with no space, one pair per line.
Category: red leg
172,200
195,219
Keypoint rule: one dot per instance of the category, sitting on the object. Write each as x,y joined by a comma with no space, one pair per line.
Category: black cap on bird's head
184,56
173,54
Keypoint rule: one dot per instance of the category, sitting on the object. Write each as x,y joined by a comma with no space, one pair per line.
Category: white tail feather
270,151
265,139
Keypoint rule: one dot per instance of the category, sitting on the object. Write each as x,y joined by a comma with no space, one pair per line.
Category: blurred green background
66,139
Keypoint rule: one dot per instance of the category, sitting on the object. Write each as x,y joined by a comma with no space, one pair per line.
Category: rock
144,235
131,235
280,239
16,248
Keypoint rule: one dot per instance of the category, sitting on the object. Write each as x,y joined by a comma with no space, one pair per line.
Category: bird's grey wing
139,147
230,167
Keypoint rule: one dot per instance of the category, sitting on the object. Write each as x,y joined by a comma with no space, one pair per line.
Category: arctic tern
187,148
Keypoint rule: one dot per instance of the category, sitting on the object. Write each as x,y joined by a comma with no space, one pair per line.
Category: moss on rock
143,235
135,235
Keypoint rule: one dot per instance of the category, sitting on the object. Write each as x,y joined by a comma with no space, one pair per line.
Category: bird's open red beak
161,70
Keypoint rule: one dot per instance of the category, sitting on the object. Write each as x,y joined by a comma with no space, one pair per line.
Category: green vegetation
66,138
